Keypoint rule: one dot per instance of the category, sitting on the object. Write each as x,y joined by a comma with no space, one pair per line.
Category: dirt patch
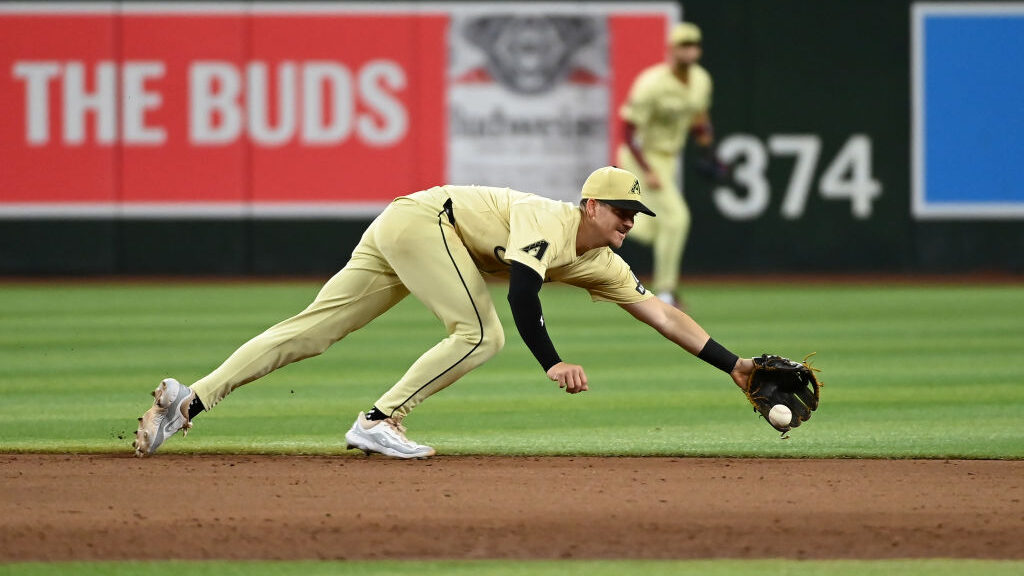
112,507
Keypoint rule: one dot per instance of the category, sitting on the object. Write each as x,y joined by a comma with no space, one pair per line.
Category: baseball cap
683,33
617,187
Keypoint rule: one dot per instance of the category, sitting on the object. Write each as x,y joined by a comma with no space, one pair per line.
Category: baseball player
665,103
435,244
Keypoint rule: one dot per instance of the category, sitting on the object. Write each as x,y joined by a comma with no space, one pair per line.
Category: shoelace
397,427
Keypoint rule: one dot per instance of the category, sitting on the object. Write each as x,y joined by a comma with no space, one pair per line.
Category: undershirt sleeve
523,298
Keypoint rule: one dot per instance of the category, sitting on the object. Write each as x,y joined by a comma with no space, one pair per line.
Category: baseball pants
412,247
669,230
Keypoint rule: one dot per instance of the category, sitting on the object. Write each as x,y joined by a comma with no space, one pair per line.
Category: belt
447,211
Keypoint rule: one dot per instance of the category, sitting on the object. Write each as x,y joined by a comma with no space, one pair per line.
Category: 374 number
847,177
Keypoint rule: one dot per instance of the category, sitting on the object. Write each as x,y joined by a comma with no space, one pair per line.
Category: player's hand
569,376
652,180
741,372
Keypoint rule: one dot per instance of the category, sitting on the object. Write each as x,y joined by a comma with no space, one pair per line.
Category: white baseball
780,416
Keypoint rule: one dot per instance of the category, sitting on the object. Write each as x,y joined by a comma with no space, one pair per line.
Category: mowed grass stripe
910,371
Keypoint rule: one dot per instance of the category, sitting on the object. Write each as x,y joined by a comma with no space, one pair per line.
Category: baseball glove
710,167
778,380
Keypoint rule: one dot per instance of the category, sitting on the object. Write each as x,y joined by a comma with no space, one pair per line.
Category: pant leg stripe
440,227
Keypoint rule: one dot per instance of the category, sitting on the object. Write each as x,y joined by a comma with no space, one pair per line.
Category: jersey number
537,249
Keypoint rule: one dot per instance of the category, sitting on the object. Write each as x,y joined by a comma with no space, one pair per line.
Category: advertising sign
968,78
292,109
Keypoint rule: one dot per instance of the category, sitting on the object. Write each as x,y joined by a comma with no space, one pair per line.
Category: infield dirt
114,507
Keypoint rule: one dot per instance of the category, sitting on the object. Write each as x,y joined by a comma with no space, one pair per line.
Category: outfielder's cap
617,187
684,33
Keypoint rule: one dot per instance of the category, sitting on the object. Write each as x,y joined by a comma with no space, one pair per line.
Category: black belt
448,211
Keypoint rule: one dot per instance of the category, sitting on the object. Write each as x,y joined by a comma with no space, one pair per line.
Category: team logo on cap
636,188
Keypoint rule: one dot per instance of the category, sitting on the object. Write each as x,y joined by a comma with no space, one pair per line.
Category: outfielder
666,102
434,244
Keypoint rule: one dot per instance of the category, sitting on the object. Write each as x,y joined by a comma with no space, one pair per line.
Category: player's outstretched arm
671,322
680,328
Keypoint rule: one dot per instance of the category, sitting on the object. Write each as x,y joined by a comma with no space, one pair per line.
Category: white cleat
670,299
168,415
385,437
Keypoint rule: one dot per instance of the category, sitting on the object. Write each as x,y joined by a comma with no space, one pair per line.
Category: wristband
715,354
701,130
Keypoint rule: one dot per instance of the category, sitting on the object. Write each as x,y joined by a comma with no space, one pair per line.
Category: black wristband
715,354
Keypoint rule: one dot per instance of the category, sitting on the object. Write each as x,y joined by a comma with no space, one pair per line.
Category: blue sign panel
968,111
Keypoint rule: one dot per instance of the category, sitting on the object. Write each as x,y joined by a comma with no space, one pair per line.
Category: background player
665,103
434,244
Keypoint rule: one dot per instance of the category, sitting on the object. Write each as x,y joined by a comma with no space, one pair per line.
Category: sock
195,407
373,414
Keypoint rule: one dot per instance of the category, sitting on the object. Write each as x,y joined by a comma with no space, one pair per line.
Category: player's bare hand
569,376
652,180
741,372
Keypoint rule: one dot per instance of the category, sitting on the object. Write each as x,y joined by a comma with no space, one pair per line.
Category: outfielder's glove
710,167
778,380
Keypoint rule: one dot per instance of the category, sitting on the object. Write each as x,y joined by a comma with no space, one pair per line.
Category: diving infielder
666,102
434,244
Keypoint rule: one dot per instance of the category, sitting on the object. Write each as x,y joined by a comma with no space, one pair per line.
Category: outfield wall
260,138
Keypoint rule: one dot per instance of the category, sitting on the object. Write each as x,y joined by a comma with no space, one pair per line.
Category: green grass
535,568
910,371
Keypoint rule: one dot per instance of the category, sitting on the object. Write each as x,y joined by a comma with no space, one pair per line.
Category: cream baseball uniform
662,108
434,244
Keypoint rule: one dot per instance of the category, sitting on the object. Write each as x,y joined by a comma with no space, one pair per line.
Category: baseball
780,416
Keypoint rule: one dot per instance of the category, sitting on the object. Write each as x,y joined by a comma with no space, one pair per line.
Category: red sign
156,110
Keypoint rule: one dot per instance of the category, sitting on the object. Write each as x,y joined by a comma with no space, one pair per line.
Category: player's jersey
500,226
662,108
